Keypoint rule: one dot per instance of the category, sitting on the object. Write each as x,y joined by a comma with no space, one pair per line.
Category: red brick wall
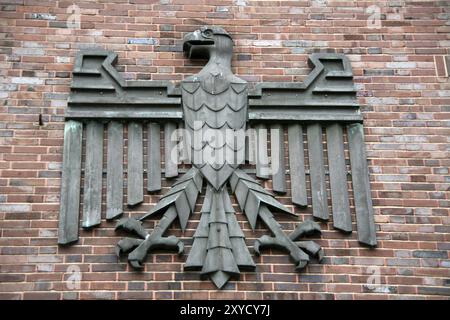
403,88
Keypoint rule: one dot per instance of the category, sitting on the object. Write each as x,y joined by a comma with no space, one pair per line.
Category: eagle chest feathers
215,115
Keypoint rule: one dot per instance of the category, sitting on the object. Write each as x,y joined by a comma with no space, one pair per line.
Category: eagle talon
126,245
312,248
168,243
118,250
301,265
305,228
142,247
264,241
283,244
136,264
137,256
180,245
256,247
132,225
320,255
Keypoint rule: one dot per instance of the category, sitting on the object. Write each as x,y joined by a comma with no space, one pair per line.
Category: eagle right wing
103,108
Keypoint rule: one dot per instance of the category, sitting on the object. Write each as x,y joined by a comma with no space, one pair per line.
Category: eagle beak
193,44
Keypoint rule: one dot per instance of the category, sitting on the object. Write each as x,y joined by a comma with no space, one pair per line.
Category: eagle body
215,116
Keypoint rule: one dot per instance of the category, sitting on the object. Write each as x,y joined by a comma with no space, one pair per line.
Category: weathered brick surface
402,78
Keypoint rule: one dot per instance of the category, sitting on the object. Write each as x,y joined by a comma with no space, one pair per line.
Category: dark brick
312,278
440,291
244,57
375,51
42,286
100,267
5,277
430,254
100,258
73,258
166,27
57,24
374,72
379,289
41,295
136,286
418,186
169,48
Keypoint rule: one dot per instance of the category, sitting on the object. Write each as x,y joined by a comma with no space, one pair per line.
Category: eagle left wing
326,108
99,95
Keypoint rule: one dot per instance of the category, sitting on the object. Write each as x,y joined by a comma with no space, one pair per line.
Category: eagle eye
208,33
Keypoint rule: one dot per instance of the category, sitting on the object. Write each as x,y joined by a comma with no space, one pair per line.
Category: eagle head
199,43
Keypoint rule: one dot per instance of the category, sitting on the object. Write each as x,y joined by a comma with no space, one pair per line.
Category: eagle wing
320,115
108,117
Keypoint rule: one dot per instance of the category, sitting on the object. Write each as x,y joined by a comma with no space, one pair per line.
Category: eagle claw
126,245
312,248
136,264
169,243
308,228
305,228
301,259
264,241
301,264
142,247
297,251
132,225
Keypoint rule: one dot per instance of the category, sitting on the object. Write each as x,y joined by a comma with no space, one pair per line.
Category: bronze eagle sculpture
215,111
215,98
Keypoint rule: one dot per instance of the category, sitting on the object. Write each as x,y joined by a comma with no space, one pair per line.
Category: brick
377,72
417,186
379,289
70,296
12,277
43,16
103,295
26,80
430,254
15,207
100,258
41,295
136,286
28,52
138,295
10,296
441,291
